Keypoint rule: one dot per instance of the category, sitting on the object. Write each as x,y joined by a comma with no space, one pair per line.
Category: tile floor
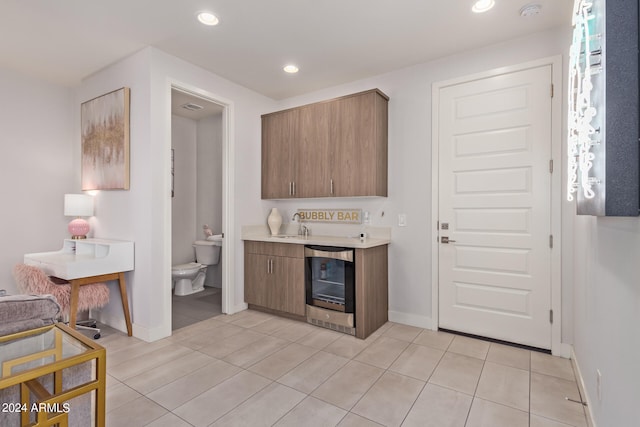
254,369
195,308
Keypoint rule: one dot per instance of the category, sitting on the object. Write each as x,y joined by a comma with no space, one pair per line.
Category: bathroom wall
209,184
183,217
197,197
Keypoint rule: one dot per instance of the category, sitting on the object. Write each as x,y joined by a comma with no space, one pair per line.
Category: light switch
402,220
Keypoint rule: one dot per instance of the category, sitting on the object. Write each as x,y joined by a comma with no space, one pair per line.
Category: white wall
409,91
183,204
209,185
36,168
607,315
131,215
143,214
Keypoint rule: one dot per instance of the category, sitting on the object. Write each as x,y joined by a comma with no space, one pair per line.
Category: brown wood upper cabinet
335,148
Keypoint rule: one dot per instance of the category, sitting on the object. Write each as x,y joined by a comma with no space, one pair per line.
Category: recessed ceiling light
530,10
291,69
481,6
208,18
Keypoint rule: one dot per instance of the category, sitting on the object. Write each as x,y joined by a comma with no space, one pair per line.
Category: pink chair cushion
32,280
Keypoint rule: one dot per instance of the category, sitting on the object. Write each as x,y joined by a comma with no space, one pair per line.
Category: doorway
197,199
496,205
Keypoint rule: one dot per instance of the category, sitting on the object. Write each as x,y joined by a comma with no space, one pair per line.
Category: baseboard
137,331
410,319
583,389
562,350
238,308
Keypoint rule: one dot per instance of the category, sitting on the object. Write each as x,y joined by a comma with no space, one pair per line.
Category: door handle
445,239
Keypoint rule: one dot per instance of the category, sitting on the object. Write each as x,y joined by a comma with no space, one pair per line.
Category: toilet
189,278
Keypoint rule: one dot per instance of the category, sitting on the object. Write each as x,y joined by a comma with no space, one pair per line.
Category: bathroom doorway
197,176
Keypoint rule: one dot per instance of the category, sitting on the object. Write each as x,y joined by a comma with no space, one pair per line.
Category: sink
286,236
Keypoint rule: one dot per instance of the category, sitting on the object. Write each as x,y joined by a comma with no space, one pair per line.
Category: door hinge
551,241
551,166
550,316
552,90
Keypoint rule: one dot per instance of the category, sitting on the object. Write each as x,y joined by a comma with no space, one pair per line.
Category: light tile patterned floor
254,369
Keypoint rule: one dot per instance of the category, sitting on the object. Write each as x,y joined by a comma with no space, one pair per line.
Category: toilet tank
208,251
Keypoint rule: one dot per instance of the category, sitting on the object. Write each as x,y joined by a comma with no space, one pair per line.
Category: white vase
275,221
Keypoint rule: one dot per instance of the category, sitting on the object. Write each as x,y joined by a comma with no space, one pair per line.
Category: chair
33,280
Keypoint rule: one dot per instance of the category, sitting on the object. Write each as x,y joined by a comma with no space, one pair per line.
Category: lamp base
79,228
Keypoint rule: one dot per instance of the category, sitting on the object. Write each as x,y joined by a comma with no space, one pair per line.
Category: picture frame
105,124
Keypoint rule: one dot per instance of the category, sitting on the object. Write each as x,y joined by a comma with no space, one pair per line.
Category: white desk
86,261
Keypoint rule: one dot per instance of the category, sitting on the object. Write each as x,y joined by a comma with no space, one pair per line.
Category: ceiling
331,41
192,107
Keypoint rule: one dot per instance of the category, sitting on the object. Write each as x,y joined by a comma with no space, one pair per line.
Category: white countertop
259,235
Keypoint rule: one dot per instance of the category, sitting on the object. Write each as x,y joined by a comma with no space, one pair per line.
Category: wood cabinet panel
279,135
275,249
359,145
293,278
313,151
372,294
255,279
273,281
336,148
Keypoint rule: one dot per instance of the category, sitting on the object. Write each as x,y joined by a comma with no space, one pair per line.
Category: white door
494,206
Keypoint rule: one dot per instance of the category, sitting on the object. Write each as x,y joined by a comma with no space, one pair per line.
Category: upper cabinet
336,148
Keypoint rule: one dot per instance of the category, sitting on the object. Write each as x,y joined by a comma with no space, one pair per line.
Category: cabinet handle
268,266
331,187
290,188
294,188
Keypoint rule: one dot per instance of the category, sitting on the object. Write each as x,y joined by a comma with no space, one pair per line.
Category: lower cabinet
274,279
274,276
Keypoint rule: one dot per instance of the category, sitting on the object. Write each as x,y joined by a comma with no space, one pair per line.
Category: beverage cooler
330,287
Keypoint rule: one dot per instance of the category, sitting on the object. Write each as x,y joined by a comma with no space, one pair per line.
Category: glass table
52,375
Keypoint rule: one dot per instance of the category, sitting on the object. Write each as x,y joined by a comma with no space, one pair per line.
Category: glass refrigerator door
328,280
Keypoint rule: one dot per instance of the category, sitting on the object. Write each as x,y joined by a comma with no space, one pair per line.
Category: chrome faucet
302,229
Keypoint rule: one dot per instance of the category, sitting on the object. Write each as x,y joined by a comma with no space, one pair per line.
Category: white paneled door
494,207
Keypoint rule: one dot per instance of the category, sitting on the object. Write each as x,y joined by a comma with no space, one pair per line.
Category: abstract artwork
105,141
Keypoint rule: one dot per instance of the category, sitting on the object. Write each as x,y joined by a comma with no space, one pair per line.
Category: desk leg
73,309
125,302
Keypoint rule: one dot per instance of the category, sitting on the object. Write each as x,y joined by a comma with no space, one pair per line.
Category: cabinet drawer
291,250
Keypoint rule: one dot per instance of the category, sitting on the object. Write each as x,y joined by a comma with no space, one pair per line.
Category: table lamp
78,205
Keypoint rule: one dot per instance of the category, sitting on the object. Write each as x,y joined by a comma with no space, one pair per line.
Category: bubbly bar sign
343,216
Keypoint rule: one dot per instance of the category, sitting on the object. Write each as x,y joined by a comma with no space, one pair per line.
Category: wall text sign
343,216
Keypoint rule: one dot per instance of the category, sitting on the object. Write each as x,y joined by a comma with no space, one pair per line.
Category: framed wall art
105,141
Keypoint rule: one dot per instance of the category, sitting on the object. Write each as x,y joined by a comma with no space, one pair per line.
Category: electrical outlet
402,220
599,385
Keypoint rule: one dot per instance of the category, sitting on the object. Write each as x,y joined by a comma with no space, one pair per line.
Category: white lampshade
78,205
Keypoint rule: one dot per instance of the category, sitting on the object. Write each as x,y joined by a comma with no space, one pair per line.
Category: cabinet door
256,277
359,145
293,277
313,160
278,154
